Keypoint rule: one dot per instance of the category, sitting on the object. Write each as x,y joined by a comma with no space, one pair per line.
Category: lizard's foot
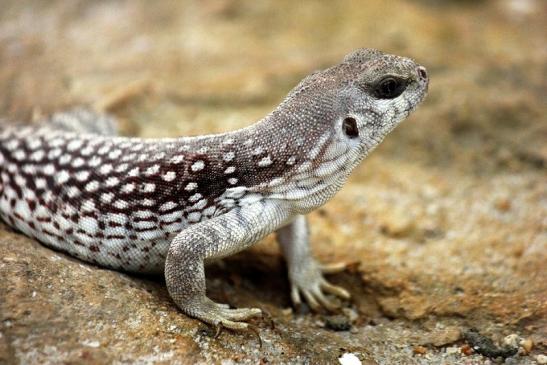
308,280
220,315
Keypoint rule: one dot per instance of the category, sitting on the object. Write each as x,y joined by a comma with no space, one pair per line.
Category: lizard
171,205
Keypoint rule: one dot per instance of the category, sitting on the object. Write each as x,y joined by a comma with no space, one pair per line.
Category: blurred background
447,217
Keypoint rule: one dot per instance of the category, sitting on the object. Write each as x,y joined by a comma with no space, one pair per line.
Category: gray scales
171,205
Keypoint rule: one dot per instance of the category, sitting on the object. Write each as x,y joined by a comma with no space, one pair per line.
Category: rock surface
446,220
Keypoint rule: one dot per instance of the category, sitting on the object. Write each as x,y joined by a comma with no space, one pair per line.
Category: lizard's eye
389,87
349,126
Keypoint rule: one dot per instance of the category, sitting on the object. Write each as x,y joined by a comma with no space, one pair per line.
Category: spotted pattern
74,185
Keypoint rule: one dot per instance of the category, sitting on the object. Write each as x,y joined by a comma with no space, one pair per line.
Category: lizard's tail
82,120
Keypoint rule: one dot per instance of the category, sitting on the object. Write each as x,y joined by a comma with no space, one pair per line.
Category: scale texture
169,205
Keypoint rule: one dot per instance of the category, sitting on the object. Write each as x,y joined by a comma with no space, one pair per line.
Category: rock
349,359
527,345
337,323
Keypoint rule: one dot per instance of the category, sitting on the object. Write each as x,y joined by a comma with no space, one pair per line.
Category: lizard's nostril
422,72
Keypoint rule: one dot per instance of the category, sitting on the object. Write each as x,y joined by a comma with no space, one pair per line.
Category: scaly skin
152,205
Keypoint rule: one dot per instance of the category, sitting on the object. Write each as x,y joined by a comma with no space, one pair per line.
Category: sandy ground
446,221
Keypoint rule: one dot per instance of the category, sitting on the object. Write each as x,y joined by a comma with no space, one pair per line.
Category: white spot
112,181
230,170
20,180
171,217
89,225
37,156
159,156
121,204
148,187
88,206
177,159
74,145
232,181
40,183
169,176
208,212
134,172
12,145
54,153
228,156
194,217
291,161
264,162
144,225
34,144
276,181
103,150
152,170
87,151
127,188
92,186
195,197
236,193
168,206
258,151
82,175
148,202
142,214
62,177
191,186
114,154
137,147
197,166
203,150
228,141
200,204
94,161
78,162
73,192
122,167
65,159
49,169
106,169
28,169
106,198
19,155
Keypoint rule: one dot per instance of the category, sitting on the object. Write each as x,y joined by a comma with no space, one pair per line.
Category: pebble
349,359
527,345
512,340
541,359
337,323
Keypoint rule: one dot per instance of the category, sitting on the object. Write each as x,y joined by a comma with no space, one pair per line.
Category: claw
311,301
295,296
254,330
324,301
267,316
334,268
335,290
218,330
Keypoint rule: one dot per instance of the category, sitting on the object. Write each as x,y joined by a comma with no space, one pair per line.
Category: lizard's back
109,200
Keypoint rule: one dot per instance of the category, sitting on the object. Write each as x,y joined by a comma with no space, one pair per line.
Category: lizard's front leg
305,273
212,239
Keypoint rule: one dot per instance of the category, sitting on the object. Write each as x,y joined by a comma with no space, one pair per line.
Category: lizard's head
375,92
343,113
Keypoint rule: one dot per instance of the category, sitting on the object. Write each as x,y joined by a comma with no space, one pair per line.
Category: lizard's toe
241,314
335,290
220,315
333,268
